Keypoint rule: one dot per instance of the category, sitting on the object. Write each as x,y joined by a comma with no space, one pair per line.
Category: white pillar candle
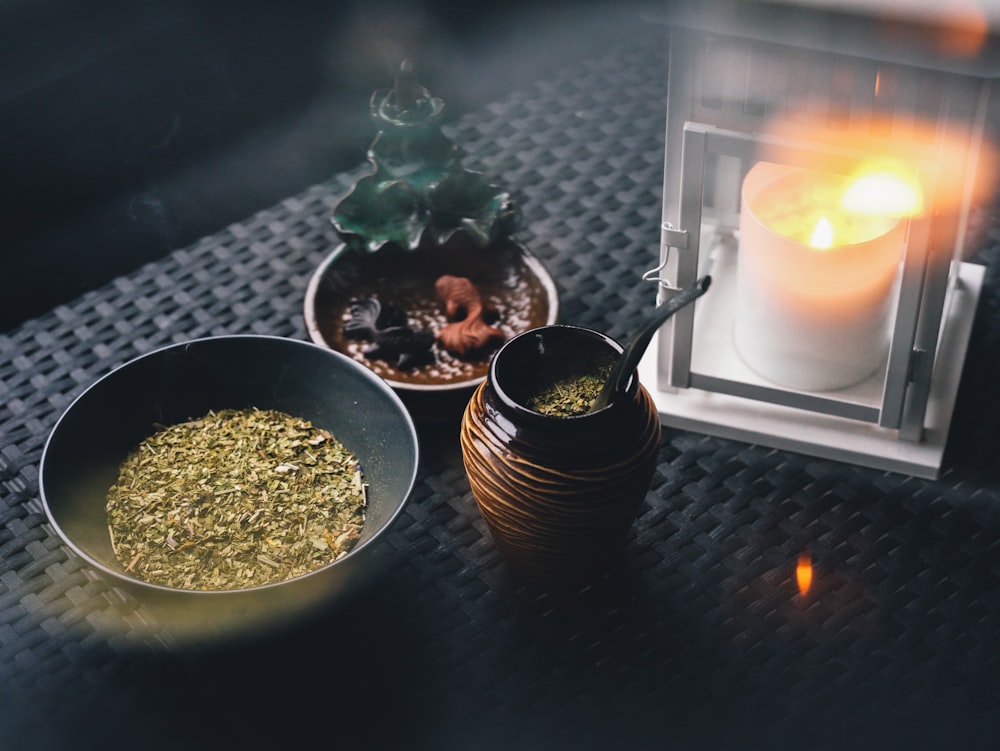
816,282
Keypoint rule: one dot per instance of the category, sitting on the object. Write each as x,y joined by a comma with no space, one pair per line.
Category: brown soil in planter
507,277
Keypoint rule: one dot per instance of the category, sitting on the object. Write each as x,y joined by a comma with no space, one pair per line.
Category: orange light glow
913,166
957,28
804,574
965,32
822,234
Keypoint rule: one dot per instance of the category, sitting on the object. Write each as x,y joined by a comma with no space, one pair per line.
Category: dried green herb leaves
237,498
569,396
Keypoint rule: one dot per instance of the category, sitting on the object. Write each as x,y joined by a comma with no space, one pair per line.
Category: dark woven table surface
690,641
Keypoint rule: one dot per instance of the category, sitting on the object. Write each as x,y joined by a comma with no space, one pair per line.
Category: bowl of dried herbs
233,482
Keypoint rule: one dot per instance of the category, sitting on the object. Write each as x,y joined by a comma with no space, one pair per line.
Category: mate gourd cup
558,494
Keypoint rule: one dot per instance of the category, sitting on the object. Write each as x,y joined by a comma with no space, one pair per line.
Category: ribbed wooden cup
558,494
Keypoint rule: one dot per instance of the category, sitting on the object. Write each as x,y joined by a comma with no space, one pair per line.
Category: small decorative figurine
386,326
418,189
469,332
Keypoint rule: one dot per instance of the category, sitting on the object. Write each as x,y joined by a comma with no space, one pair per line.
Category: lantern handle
653,275
672,238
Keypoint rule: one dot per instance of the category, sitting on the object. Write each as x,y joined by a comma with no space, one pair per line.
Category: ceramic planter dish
511,283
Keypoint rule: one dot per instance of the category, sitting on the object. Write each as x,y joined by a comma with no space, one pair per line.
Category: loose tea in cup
569,396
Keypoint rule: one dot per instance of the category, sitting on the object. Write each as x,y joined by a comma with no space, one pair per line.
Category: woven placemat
692,640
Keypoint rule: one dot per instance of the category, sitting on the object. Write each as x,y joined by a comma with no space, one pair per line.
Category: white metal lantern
821,165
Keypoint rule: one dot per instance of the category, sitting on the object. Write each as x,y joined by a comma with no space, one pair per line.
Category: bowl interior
183,381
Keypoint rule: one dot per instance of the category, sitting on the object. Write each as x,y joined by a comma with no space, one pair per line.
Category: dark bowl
182,381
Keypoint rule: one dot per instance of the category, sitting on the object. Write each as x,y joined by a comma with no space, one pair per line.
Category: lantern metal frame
899,418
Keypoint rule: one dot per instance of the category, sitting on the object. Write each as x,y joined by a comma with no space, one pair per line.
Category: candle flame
933,155
804,574
822,234
883,191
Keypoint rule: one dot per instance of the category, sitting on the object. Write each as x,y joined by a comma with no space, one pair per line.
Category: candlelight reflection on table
804,596
804,574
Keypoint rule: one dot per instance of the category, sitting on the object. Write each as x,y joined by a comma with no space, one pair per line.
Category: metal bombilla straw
626,364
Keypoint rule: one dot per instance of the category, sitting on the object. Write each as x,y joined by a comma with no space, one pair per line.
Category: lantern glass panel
876,300
793,319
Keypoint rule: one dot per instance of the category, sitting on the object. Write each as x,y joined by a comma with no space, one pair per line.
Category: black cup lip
518,411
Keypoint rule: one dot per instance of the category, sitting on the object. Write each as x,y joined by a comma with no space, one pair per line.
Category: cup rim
519,410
